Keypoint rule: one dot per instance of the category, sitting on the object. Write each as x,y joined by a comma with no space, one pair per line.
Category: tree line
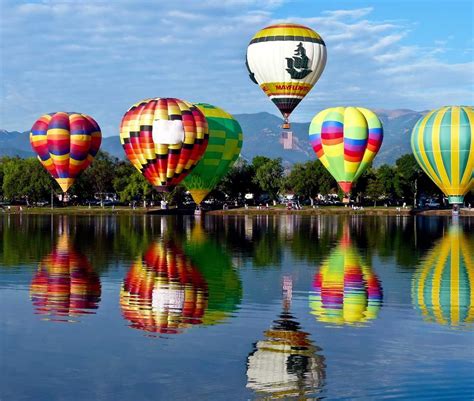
26,180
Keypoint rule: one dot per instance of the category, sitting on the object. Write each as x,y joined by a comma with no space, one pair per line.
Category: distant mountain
262,135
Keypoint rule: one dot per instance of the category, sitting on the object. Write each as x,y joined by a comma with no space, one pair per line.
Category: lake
236,307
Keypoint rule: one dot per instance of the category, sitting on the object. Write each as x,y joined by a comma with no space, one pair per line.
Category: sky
100,57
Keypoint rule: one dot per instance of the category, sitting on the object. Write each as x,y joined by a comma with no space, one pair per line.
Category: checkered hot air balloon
164,138
345,290
65,285
66,144
225,143
346,140
163,292
286,60
443,284
443,145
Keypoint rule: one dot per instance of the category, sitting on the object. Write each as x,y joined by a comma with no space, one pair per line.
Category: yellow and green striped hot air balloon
443,145
443,285
225,143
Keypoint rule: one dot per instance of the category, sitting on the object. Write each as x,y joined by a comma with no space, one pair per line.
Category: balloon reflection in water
223,282
286,364
164,292
345,290
65,284
443,285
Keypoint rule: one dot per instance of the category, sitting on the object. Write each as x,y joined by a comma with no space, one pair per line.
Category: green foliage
309,179
22,179
268,175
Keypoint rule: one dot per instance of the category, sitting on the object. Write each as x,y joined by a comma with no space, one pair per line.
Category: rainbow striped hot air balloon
443,145
345,290
286,60
225,143
66,144
65,285
164,292
346,140
443,285
164,138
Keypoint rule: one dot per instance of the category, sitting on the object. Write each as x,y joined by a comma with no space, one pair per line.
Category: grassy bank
337,210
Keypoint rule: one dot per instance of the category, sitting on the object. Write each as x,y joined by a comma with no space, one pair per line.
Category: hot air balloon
286,60
65,285
286,364
346,140
66,144
164,138
345,290
163,292
443,145
443,285
225,143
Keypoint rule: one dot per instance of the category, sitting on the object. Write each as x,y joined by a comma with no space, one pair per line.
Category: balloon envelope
223,149
346,140
443,145
286,60
164,138
66,144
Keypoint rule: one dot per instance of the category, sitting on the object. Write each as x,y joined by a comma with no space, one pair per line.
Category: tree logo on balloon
298,64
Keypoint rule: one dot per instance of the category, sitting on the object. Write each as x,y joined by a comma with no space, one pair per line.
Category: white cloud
100,57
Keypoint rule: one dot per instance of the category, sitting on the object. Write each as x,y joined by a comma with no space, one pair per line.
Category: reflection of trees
285,364
345,290
24,239
65,285
443,284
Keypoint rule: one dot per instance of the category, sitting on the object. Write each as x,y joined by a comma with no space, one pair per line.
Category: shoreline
124,211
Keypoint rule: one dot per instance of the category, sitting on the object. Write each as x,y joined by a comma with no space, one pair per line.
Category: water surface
236,308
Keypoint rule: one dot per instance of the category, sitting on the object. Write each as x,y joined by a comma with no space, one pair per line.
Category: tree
25,179
309,179
238,181
269,177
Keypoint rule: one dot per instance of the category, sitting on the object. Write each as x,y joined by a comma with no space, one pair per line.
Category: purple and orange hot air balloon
66,144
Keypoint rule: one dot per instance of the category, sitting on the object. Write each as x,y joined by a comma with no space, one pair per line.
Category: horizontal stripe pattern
346,140
66,143
163,165
443,144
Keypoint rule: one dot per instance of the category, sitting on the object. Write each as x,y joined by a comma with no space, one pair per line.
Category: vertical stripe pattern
443,145
66,144
225,143
164,163
346,140
443,285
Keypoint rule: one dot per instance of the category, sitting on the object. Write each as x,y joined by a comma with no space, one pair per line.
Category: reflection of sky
398,354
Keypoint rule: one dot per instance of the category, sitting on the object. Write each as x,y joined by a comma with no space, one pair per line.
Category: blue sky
100,57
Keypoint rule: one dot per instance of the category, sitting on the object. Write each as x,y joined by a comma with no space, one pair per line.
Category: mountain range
262,136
